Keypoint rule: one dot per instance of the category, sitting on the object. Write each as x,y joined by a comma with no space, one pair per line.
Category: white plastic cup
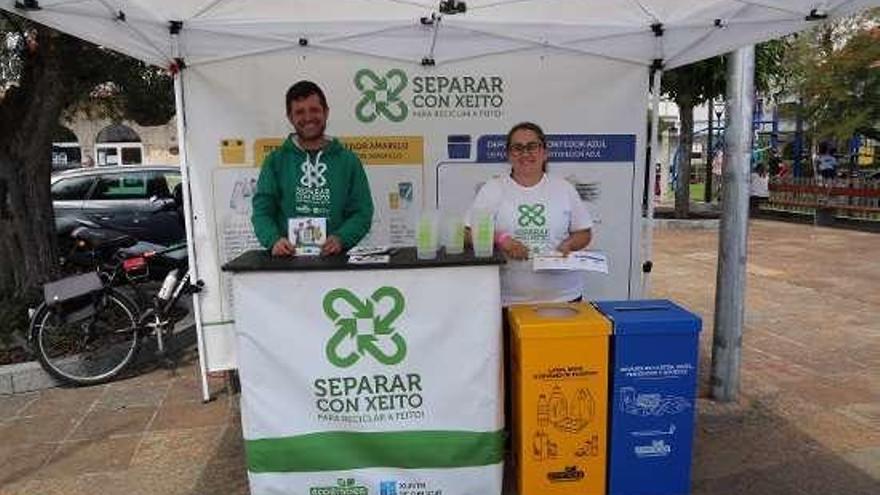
483,233
454,235
426,235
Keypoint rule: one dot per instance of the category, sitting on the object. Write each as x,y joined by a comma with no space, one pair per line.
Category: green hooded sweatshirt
330,184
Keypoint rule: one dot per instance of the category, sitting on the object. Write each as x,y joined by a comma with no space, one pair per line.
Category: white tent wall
242,101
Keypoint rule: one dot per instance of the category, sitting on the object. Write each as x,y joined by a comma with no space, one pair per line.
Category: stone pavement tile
147,480
831,393
867,413
745,439
838,432
755,385
83,457
19,462
868,460
12,405
38,429
231,445
192,415
132,395
228,478
171,447
189,389
821,473
64,400
99,424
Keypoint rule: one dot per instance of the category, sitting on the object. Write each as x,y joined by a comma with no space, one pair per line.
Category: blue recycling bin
652,403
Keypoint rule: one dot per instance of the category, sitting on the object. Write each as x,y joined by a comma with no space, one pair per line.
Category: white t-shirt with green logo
540,217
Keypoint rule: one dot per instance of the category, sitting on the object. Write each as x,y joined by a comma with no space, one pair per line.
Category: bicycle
87,331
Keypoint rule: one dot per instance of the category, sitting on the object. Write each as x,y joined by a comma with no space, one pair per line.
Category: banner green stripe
342,450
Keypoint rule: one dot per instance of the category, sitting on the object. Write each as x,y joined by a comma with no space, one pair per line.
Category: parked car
137,200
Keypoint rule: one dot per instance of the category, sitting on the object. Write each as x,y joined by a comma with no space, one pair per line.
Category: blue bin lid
649,317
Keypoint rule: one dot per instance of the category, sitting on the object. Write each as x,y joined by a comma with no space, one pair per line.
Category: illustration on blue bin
640,404
458,146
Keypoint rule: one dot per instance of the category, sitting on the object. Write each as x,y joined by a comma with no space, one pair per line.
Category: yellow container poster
560,393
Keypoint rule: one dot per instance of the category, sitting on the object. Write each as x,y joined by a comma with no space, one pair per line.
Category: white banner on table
359,380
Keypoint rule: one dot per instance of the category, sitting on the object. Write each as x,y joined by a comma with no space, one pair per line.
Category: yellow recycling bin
560,393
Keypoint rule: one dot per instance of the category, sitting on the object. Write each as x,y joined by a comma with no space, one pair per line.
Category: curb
683,224
31,377
24,377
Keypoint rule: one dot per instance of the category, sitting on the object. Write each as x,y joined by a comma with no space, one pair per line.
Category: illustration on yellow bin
560,393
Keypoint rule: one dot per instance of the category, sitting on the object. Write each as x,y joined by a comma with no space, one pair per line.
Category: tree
689,86
43,73
692,85
836,74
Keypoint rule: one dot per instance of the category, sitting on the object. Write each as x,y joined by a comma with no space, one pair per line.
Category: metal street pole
707,195
730,288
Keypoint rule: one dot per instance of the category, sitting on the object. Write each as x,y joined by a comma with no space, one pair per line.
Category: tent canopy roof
677,32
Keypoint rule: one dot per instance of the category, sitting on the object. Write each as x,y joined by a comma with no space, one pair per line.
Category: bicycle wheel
92,350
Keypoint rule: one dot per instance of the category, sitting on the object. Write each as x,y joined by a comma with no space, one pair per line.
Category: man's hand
332,246
515,250
283,247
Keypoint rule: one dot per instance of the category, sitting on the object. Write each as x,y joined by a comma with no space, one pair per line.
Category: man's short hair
302,90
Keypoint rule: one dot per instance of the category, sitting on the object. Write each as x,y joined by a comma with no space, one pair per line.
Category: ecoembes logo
343,487
362,328
394,96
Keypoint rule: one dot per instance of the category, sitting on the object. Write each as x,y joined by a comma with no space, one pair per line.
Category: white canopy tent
651,34
677,32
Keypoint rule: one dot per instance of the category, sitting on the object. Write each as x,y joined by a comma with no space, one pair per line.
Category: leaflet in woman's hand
590,261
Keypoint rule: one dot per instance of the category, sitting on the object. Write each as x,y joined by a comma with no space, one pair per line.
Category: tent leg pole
730,287
188,214
653,154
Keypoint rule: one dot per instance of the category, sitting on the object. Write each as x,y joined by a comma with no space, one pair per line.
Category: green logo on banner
531,215
356,321
380,96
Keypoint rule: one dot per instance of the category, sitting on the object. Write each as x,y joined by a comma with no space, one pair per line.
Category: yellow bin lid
557,320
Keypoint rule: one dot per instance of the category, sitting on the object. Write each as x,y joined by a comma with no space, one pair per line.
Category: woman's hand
576,241
513,249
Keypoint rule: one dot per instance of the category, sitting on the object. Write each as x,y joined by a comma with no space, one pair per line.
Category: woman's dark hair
528,126
302,90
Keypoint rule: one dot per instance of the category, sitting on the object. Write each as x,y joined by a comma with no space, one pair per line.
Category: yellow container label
560,382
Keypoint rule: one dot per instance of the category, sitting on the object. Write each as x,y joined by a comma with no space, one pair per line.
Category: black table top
401,258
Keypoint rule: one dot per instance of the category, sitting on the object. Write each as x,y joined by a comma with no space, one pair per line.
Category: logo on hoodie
313,173
312,193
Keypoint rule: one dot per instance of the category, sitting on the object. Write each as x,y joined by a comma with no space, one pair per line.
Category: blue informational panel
652,399
566,148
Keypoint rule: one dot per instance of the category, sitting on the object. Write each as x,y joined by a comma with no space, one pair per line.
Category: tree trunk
28,116
685,140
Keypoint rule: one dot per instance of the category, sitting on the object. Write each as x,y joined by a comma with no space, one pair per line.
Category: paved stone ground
808,421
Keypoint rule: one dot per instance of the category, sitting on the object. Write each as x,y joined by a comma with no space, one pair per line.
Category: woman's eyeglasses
520,148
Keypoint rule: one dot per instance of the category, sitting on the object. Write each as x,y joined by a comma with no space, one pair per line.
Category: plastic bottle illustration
543,411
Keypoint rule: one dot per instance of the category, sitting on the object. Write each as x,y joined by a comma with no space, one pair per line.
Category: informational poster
428,136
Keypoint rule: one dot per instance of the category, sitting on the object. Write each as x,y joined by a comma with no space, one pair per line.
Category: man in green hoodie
311,175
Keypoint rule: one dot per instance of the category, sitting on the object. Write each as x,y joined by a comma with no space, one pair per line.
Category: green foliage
707,79
836,72
96,81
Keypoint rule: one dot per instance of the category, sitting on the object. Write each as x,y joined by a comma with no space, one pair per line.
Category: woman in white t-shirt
534,213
